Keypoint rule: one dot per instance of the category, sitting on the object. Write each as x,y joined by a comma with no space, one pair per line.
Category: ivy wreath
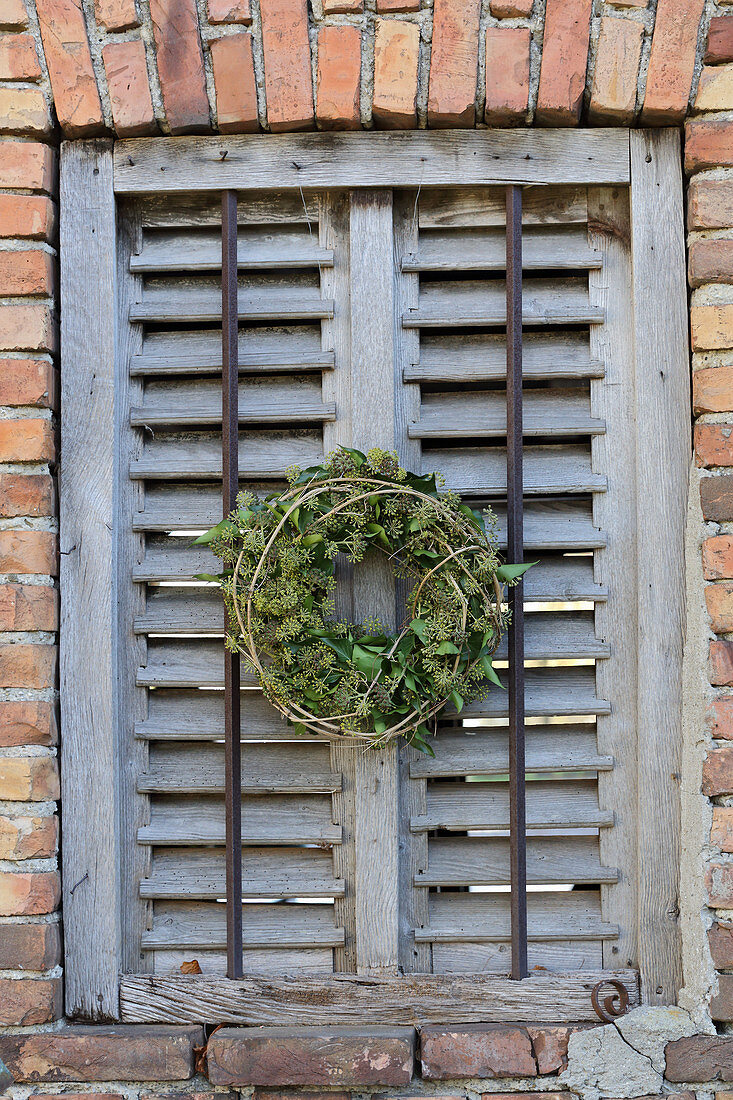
340,679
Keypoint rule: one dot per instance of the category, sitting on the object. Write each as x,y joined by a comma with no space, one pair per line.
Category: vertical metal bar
230,487
515,553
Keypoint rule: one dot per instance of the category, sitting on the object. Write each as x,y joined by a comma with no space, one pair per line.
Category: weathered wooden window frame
94,784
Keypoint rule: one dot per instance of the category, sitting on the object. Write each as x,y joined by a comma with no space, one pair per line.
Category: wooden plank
262,401
550,692
198,924
560,635
257,249
486,917
662,399
198,873
170,304
262,349
484,861
476,250
186,663
88,652
295,162
481,414
481,357
466,303
559,468
281,768
182,456
201,208
183,715
569,803
276,819
485,207
302,961
347,999
554,525
489,958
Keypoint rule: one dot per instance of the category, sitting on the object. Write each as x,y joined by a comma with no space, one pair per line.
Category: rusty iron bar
230,488
515,554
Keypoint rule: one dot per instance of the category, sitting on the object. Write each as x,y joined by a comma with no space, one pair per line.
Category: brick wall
72,68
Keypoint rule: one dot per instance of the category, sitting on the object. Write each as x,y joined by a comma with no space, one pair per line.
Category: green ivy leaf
213,532
447,647
418,627
509,573
490,672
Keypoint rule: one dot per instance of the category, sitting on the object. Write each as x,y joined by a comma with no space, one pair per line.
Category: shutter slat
198,454
261,349
550,692
474,751
199,874
551,915
474,250
184,715
483,414
185,925
313,963
175,306
472,958
482,470
569,804
463,304
481,357
258,248
201,208
486,206
260,402
265,820
484,861
266,769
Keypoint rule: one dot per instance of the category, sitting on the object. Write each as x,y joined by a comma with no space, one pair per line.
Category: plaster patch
648,1029
601,1063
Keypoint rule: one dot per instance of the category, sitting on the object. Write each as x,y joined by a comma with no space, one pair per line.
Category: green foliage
360,679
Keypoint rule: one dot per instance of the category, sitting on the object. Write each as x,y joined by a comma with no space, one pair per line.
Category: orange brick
27,327
719,883
715,88
339,78
720,40
710,203
387,7
714,444
716,497
712,389
28,382
30,1000
26,495
28,778
719,718
26,273
28,607
26,441
711,327
24,111
30,946
708,144
180,64
287,57
229,11
719,600
396,52
721,663
24,722
28,893
28,837
27,666
26,552
18,58
672,61
337,7
511,9
129,91
720,938
234,80
454,63
27,216
717,557
116,15
69,60
564,62
26,164
13,14
507,75
721,833
613,95
710,262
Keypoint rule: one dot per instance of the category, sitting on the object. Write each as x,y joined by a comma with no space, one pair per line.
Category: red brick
234,81
28,552
719,599
344,1057
544,1095
717,772
286,1094
287,57
716,497
388,7
338,7
26,495
129,91
564,62
28,666
339,78
127,1052
396,53
28,778
454,63
507,75
719,718
229,11
27,216
13,14
710,262
721,830
95,1096
28,327
710,203
550,1045
180,64
23,722
27,838
721,663
28,893
478,1050
28,382
717,557
28,607
24,111
511,9
714,444
613,94
69,61
26,440
29,1001
720,40
721,1006
26,164
708,144
28,272
231,1094
116,15
720,938
672,61
29,947
18,58
700,1058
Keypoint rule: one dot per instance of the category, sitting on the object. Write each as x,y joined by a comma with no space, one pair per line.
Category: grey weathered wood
662,399
179,404
480,414
485,917
495,958
465,750
173,304
203,209
176,715
550,692
306,962
258,249
198,924
550,804
281,768
88,643
485,207
558,635
198,873
479,357
462,304
261,454
275,819
262,348
484,861
560,468
474,250
346,999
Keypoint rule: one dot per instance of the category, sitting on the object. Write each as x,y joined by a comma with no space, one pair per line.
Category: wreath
360,680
